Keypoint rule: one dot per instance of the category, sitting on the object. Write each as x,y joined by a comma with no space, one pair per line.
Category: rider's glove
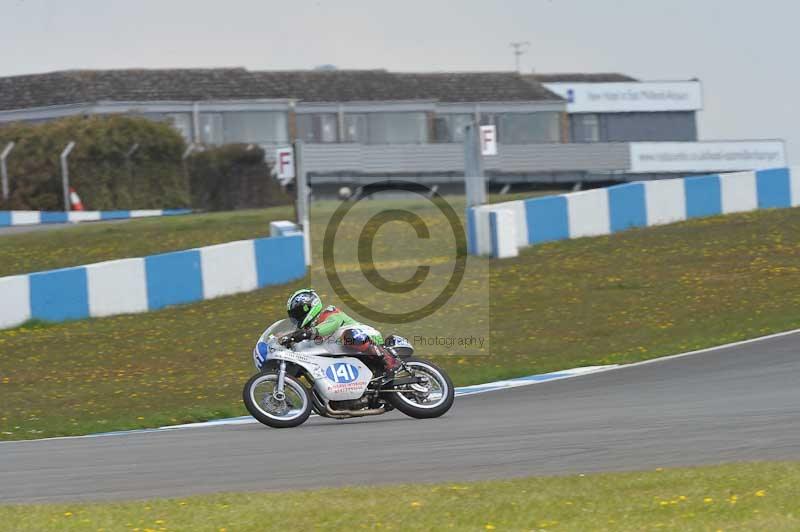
300,335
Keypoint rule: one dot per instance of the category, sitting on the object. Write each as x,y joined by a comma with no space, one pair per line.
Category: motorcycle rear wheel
292,411
422,405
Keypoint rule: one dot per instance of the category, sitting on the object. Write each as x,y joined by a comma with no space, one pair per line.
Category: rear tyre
291,411
424,402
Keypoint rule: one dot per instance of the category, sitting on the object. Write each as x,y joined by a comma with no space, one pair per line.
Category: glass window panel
211,128
591,127
305,128
586,128
529,128
488,119
355,128
452,127
260,127
318,127
183,123
397,128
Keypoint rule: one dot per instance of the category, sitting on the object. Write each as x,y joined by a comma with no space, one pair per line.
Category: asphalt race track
736,403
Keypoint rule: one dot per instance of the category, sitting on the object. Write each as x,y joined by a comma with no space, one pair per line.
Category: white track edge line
708,349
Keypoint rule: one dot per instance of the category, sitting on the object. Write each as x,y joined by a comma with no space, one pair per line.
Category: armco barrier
150,283
8,218
621,207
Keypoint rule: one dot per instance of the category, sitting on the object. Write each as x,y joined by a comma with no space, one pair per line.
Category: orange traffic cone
75,200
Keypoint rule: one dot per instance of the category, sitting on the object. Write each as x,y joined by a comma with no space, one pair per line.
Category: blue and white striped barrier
8,218
150,283
499,230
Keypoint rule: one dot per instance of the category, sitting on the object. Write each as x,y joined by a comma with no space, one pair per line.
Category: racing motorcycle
296,379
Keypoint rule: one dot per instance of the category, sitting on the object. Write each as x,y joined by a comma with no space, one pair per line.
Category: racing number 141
342,373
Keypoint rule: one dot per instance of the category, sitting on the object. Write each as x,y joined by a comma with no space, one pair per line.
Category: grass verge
96,242
748,496
615,299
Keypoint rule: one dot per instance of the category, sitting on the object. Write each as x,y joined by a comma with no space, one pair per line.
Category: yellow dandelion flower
708,500
761,493
416,504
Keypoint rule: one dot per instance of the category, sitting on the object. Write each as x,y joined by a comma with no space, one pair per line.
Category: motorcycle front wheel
431,400
290,411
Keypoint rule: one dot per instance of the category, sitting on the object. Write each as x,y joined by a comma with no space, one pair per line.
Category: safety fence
150,283
499,230
8,218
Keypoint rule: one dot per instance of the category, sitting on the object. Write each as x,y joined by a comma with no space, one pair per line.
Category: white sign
649,157
284,164
629,97
488,140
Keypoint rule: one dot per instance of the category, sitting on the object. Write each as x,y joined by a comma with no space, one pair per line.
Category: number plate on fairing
344,379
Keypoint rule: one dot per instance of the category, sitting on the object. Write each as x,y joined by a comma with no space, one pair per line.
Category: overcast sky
742,50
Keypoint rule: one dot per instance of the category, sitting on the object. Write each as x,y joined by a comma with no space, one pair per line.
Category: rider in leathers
304,308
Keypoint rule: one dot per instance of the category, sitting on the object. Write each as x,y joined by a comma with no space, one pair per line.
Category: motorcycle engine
354,404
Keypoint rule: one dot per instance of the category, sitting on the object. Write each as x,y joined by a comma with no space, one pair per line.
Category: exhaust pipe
353,413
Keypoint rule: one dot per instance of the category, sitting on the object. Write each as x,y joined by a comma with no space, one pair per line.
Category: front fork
278,393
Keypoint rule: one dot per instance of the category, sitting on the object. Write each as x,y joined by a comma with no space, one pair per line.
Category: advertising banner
655,157
630,96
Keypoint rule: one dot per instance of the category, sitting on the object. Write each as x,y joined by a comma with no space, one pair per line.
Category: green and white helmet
303,307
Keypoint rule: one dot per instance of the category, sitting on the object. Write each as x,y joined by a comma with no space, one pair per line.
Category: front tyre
429,401
259,399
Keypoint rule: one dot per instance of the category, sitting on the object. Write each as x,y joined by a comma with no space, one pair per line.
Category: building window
211,128
317,128
451,127
355,128
386,128
397,128
585,128
257,127
528,128
183,123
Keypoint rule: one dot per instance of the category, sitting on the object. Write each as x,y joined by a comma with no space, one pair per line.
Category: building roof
335,85
577,77
82,86
88,86
477,87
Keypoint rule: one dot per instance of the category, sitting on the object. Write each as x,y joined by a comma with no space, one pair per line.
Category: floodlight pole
303,193
4,168
474,178
65,173
520,47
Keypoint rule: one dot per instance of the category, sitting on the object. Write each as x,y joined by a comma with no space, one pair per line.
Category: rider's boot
390,362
